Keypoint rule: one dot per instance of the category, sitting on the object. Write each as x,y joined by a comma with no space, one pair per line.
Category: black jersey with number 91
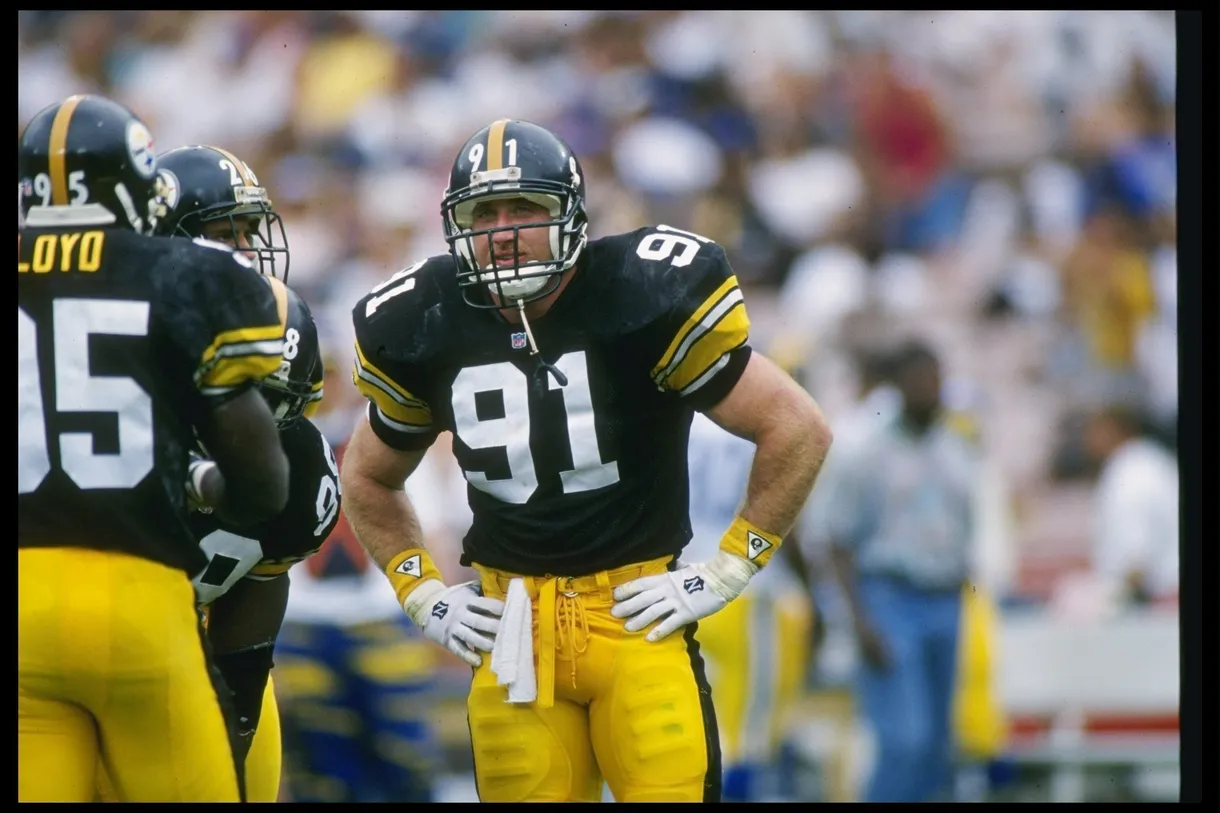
572,479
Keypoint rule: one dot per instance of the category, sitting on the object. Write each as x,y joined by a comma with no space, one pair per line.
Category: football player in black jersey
125,344
568,371
213,194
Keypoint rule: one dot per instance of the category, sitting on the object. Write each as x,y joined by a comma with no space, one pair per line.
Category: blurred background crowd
1001,184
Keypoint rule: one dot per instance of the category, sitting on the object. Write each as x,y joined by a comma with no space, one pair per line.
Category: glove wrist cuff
728,574
747,541
194,484
409,570
419,601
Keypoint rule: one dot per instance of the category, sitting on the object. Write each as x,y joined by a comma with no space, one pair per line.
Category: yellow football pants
111,665
756,650
263,762
610,705
266,757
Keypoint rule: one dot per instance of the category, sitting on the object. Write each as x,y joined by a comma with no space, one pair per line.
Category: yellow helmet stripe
238,165
57,150
495,145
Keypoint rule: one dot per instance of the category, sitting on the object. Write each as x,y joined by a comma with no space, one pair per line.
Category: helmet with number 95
295,389
514,159
212,193
88,161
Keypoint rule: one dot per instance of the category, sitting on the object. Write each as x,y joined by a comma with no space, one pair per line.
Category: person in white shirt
1135,547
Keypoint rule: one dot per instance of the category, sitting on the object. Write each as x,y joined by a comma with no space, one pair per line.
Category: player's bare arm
457,617
250,481
769,408
373,477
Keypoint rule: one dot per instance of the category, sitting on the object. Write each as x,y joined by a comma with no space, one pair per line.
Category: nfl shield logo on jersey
518,341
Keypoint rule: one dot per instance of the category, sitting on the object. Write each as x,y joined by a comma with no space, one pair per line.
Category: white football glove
681,596
458,618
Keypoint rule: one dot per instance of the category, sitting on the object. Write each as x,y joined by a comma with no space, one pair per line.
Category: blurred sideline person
876,401
568,371
244,588
901,524
125,343
1136,509
756,648
356,679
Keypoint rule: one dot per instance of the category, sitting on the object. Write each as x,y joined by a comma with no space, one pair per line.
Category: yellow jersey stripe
57,150
241,336
233,371
495,145
688,333
364,366
269,569
710,347
403,417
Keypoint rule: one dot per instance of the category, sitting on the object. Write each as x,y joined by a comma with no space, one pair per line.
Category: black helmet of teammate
511,158
210,185
296,388
88,161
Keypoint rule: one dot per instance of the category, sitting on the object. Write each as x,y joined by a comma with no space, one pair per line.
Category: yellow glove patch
750,542
409,570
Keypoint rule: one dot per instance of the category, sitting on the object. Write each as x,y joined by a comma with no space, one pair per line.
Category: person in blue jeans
900,525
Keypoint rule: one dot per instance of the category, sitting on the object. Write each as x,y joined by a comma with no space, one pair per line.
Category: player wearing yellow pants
265,760
612,704
263,763
142,644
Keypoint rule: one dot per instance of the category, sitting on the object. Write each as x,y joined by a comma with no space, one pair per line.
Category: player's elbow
797,423
373,471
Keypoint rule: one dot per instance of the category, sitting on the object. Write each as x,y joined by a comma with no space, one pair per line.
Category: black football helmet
511,158
88,161
204,185
295,389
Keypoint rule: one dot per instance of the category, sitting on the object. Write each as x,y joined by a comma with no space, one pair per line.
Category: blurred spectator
1135,548
906,149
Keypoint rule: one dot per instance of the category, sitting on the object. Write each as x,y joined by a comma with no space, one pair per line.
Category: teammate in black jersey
125,343
568,371
213,194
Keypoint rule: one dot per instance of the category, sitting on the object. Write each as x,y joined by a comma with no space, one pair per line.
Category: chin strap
560,378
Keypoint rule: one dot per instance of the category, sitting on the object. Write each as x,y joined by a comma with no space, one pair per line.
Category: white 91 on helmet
511,159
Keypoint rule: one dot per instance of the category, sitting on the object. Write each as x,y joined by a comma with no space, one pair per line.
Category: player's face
242,235
532,244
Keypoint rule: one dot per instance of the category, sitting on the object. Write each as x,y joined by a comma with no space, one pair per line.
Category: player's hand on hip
458,618
676,598
681,596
